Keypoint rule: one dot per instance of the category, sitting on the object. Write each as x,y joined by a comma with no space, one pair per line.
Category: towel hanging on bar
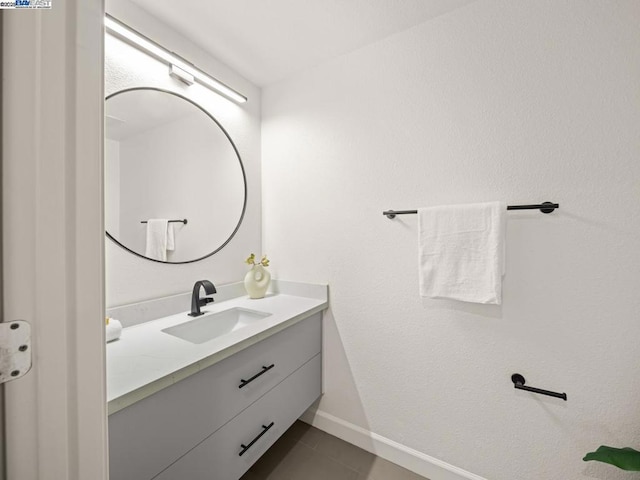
544,207
170,221
461,252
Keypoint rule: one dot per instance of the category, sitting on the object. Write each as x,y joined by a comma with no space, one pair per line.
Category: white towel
114,330
171,238
461,252
157,239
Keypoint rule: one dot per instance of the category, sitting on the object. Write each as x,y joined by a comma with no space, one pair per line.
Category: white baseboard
397,453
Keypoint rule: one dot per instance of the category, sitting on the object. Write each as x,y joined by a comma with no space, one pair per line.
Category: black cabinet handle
265,429
261,372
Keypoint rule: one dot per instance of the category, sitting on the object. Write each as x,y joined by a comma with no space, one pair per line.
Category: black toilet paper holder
519,383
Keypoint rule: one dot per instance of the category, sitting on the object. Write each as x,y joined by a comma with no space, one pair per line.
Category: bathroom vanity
208,408
205,397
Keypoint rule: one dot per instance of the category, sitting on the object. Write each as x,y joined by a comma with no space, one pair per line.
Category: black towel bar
544,207
184,220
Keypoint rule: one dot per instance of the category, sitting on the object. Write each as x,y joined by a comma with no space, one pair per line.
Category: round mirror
166,158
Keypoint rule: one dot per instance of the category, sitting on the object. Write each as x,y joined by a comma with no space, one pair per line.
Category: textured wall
130,278
517,101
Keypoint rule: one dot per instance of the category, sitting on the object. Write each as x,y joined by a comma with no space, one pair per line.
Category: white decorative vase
256,281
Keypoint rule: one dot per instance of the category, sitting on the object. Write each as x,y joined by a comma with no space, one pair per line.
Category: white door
52,238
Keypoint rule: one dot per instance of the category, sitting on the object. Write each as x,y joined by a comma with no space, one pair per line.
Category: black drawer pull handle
247,447
261,372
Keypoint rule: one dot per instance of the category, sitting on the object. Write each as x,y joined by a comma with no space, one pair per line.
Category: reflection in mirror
167,158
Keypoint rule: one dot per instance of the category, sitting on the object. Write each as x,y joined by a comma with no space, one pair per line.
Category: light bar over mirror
137,39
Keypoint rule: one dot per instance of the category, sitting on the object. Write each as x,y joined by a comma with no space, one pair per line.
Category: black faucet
196,301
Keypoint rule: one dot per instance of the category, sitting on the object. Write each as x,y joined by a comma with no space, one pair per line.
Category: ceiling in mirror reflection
149,113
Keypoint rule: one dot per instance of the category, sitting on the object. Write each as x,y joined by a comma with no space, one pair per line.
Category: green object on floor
624,458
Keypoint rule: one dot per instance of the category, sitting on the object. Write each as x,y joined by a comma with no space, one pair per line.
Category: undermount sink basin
213,325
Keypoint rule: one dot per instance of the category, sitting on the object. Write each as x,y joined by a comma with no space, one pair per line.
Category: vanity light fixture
179,74
184,71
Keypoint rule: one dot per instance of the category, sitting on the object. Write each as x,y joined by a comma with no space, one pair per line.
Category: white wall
130,278
517,101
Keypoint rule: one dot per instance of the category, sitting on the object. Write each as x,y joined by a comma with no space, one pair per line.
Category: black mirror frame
235,149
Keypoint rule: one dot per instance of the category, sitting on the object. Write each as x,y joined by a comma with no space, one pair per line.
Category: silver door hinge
15,349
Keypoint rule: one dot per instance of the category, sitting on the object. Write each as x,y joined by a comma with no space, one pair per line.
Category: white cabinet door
218,457
148,436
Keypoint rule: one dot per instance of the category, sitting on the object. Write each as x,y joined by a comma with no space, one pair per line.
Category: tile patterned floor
306,453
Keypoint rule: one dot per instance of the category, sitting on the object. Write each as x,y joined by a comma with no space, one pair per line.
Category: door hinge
15,349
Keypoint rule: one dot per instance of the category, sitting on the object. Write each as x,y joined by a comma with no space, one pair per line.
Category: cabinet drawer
149,435
218,457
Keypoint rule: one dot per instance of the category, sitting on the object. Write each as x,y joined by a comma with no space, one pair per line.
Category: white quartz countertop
145,360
